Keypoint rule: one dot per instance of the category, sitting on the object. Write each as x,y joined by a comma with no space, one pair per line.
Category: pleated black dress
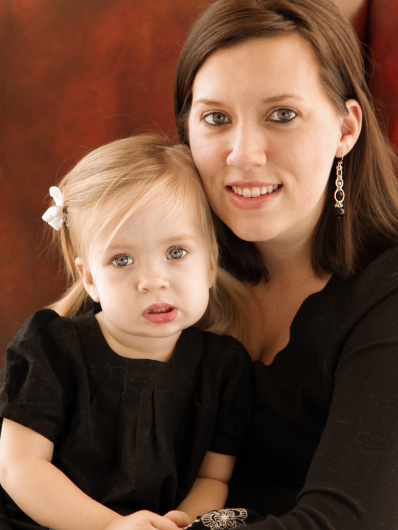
130,433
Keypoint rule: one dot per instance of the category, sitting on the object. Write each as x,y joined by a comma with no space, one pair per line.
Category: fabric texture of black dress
321,452
130,433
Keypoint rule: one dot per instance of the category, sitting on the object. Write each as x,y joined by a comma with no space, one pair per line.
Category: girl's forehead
162,217
157,221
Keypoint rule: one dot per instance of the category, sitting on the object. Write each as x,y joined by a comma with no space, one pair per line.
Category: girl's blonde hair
112,183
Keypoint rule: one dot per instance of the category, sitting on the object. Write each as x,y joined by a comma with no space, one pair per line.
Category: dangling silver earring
339,193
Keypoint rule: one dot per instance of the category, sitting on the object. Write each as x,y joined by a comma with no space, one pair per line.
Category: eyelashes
176,253
123,260
282,115
215,118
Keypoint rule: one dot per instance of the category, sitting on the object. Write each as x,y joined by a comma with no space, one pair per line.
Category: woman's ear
351,126
87,279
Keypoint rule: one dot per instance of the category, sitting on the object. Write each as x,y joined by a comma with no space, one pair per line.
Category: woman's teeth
162,310
255,192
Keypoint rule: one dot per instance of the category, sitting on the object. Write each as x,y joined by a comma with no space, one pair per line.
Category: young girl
117,415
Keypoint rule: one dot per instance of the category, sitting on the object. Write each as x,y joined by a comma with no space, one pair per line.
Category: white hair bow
53,216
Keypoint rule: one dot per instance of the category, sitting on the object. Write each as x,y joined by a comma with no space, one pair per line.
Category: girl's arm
210,489
46,495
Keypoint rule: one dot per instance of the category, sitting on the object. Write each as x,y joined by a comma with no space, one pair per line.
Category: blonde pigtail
75,300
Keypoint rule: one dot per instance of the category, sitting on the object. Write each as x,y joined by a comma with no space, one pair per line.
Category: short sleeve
235,399
35,383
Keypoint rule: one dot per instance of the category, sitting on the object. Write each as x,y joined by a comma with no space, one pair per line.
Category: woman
271,97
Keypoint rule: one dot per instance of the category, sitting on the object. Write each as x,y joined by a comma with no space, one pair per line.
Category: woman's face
264,134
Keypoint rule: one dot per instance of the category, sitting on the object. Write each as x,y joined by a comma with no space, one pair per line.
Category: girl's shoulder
44,322
44,338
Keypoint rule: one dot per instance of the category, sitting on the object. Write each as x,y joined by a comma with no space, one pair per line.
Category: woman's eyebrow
273,99
207,102
277,99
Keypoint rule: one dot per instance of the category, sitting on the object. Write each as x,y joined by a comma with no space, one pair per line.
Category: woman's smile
247,197
264,135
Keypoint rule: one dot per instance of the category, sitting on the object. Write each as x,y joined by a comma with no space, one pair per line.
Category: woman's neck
274,304
287,261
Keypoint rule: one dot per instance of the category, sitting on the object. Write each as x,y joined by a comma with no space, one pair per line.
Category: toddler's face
153,280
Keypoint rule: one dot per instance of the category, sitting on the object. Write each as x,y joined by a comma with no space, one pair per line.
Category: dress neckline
289,362
104,353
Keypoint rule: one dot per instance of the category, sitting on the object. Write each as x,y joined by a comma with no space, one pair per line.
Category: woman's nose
248,150
152,281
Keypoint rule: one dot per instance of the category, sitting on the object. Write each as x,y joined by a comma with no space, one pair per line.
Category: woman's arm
352,483
210,489
45,494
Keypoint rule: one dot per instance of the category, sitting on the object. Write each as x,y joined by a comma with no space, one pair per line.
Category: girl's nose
248,150
152,282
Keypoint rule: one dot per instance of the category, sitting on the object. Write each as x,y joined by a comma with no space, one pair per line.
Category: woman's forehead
278,66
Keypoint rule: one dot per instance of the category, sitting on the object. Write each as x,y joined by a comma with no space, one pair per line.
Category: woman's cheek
210,169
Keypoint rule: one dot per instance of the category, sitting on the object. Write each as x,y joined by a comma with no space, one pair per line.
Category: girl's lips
160,313
252,203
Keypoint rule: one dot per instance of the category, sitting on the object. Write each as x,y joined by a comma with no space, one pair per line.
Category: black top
130,433
321,452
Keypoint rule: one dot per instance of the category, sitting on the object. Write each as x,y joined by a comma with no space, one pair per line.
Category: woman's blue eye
283,115
176,253
215,118
122,261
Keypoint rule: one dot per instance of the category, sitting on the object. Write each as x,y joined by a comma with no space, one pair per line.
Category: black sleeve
35,384
235,400
352,482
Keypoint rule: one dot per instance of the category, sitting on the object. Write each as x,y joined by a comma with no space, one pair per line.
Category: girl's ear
87,279
350,128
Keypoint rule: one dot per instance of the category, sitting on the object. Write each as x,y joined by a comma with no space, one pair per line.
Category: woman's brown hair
370,224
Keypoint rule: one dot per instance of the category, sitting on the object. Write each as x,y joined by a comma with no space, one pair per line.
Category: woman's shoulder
363,309
378,281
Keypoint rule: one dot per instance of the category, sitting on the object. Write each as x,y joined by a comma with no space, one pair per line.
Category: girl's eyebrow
172,239
180,237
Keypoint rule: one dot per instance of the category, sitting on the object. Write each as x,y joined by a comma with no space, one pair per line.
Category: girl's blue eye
283,115
216,118
122,261
176,253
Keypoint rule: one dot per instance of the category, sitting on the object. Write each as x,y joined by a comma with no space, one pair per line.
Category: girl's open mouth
160,313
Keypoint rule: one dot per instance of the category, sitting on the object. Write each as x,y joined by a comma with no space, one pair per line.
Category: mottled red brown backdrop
75,74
